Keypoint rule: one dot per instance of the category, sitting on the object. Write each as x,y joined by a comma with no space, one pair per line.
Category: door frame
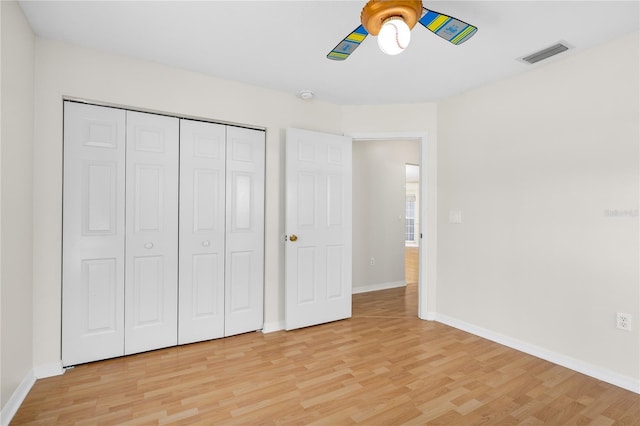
428,217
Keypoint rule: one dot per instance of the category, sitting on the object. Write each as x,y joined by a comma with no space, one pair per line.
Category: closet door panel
93,233
152,232
244,259
202,231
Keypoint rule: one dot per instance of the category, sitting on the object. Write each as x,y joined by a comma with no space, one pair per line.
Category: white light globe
394,36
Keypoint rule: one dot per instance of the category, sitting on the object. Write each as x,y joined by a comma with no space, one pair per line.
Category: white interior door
93,233
202,231
318,226
151,275
244,257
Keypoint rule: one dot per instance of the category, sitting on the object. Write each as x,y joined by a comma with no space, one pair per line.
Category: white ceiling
283,44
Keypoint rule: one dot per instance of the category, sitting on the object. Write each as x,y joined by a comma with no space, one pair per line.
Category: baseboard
11,407
43,371
378,286
270,327
431,316
616,379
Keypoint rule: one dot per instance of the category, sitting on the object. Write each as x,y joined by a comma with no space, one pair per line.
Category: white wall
1,50
533,163
379,207
66,70
16,190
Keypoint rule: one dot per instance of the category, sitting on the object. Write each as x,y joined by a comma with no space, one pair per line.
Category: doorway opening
365,260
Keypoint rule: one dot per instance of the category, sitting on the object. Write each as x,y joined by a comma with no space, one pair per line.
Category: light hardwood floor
381,367
411,264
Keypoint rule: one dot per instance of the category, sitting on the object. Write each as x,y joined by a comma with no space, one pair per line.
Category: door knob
148,245
293,237
206,244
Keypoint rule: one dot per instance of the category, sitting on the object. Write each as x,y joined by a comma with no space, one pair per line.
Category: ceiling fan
392,21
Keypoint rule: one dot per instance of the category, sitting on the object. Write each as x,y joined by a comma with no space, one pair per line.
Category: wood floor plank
411,264
384,366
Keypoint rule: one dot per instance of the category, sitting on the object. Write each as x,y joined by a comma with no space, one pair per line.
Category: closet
163,231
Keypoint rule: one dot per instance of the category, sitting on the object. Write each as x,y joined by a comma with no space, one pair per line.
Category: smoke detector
305,95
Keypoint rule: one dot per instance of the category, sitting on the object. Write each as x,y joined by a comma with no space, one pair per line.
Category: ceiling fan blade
348,44
451,29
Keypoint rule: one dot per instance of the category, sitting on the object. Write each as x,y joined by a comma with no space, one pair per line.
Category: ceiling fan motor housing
375,12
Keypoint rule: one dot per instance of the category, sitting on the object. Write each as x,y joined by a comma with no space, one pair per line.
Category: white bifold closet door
221,230
93,233
244,254
151,261
202,221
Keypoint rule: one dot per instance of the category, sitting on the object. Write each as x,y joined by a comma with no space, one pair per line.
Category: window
410,222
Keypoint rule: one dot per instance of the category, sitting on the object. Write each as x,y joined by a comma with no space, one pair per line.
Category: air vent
545,53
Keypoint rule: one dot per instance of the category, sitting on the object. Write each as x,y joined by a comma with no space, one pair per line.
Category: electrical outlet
373,261
623,321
